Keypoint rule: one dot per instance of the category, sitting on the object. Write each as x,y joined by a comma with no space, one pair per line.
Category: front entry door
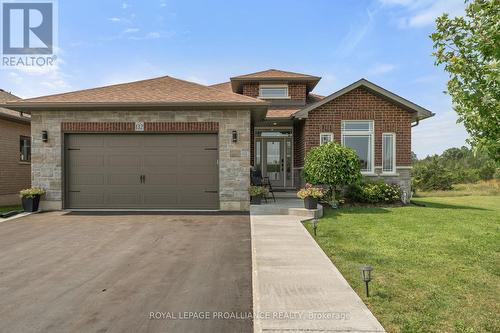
274,161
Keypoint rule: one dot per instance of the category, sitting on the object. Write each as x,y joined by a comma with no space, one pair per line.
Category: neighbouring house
166,143
15,152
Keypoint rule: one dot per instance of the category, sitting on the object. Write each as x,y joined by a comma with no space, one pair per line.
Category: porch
273,154
286,203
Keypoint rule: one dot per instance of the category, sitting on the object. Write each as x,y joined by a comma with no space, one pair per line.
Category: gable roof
10,114
226,86
420,112
274,76
161,91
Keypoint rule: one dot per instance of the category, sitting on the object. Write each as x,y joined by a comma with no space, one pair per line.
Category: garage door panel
94,141
160,199
88,179
127,141
160,160
160,141
120,197
126,162
123,179
196,159
88,160
82,200
162,180
105,171
194,141
209,180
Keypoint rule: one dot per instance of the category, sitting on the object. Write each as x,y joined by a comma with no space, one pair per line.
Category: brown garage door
171,171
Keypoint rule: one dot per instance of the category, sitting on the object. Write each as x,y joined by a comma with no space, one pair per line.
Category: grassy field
490,187
436,268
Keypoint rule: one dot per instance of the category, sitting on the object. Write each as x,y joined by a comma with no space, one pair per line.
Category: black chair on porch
256,179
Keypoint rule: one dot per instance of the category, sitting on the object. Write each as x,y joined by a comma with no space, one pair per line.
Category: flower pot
310,203
31,204
256,200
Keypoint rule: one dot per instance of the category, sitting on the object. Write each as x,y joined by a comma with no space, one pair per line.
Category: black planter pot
256,200
311,203
31,204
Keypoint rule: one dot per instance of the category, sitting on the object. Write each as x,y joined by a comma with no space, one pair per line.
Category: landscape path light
366,275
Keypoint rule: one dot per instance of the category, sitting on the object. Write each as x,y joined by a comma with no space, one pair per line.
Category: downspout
416,124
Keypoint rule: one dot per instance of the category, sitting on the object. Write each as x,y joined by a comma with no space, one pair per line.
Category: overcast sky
384,41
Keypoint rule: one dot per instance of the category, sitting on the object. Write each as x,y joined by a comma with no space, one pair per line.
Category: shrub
31,192
432,176
332,164
255,191
378,192
311,191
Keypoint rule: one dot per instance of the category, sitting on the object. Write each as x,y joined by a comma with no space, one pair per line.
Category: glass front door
274,155
273,161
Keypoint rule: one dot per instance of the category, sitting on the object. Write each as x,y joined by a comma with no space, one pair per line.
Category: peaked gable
420,112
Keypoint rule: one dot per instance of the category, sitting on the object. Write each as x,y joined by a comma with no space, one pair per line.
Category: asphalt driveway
61,273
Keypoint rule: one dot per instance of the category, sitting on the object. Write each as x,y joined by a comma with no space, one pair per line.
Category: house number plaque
139,126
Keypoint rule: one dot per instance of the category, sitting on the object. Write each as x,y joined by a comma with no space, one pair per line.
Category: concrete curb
17,216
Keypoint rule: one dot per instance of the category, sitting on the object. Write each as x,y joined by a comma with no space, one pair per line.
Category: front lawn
436,268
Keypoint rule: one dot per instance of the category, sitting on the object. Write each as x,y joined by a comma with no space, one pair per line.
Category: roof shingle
275,73
10,114
163,89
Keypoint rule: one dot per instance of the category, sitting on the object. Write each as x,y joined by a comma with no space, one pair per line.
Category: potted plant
256,194
31,198
311,194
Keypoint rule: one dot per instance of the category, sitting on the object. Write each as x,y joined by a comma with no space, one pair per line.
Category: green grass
9,208
436,268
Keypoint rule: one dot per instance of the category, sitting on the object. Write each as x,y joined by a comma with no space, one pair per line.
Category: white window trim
393,153
330,134
372,141
263,86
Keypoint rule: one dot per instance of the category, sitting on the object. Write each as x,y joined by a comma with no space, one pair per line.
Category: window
273,91
325,138
358,135
25,149
388,152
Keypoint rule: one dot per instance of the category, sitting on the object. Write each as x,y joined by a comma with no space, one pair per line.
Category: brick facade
297,91
361,104
234,157
14,174
151,127
251,90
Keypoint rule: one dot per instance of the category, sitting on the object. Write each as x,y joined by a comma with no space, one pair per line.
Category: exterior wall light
235,136
45,136
366,275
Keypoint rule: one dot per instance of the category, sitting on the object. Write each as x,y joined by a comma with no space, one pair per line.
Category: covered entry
140,171
274,155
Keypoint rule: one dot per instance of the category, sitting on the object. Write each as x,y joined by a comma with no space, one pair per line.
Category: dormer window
273,91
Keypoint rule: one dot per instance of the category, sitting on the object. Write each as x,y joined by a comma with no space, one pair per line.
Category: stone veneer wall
234,158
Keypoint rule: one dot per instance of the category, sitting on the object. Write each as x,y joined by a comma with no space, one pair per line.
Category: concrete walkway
296,288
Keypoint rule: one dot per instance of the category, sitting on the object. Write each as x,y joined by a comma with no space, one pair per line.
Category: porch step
286,194
286,206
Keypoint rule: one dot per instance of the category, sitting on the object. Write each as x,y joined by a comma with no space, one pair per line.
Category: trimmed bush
378,192
332,164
